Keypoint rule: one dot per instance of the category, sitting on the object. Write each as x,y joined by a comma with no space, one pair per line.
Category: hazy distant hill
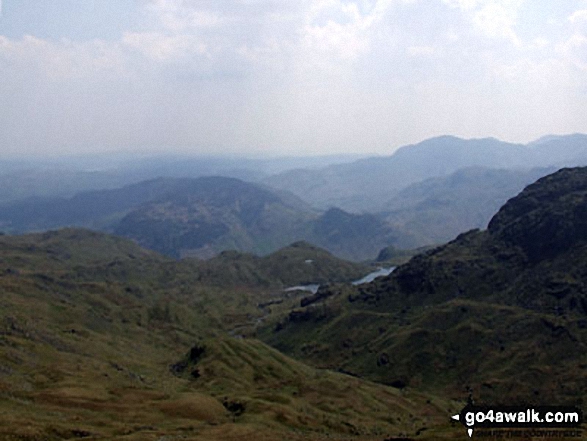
17,184
69,175
355,236
325,181
367,184
203,216
559,151
438,209
499,312
209,215
96,209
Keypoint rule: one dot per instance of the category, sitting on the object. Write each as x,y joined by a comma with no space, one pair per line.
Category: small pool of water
372,276
313,288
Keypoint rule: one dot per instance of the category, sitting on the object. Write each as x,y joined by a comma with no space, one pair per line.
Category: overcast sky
251,77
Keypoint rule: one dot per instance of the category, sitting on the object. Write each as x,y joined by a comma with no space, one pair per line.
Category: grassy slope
90,325
451,320
501,353
499,312
299,263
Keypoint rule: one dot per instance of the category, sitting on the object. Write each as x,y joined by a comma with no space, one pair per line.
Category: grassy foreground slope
500,313
100,339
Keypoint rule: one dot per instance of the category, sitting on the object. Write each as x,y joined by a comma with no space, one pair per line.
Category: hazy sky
271,76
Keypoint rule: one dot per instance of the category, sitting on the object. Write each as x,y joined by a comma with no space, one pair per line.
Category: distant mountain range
423,194
368,184
201,217
204,216
498,313
69,175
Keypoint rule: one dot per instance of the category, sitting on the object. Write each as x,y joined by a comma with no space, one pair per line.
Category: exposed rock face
548,217
532,255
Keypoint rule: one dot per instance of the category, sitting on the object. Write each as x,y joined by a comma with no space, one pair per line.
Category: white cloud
259,53
579,17
346,37
179,16
160,47
465,5
345,41
497,19
63,59
529,73
420,51
539,43
310,74
578,22
493,18
575,50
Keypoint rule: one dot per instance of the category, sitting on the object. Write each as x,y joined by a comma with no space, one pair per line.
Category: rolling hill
297,264
208,215
216,214
102,339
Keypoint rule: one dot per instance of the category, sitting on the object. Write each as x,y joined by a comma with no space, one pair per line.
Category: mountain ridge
365,185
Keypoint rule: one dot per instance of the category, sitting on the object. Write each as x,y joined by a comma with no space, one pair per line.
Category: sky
281,77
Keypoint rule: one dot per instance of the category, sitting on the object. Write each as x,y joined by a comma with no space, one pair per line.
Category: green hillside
101,339
500,312
298,264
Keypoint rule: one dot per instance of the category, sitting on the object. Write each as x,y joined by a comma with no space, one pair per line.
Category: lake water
313,288
372,276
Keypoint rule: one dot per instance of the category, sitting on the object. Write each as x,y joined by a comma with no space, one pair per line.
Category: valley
500,312
173,316
102,339
268,220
